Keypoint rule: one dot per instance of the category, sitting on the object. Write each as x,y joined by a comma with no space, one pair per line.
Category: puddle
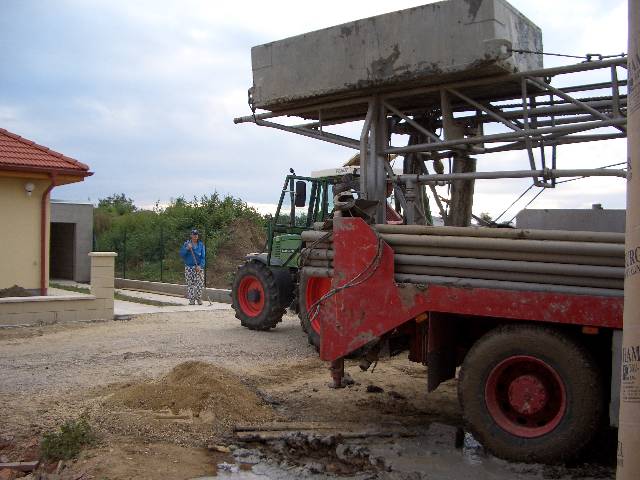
436,451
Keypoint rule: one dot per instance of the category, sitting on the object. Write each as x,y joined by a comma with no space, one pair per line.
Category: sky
145,93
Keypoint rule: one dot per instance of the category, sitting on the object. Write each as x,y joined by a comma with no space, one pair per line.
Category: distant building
71,240
28,173
595,219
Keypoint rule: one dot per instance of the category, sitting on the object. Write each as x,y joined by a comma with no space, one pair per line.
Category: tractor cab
303,201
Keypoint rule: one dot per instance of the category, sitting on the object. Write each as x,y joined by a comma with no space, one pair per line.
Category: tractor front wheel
255,297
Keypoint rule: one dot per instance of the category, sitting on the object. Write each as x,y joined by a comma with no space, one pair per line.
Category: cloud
145,93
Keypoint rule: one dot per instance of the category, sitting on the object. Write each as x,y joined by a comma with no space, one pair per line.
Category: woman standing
193,254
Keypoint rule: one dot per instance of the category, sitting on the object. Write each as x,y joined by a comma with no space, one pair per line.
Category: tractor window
302,216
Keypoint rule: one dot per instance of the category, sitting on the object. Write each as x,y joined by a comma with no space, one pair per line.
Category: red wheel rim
525,396
251,296
317,287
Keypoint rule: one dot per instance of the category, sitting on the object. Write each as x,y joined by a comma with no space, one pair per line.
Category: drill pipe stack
589,263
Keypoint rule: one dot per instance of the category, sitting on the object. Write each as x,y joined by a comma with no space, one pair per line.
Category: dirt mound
199,388
14,291
241,237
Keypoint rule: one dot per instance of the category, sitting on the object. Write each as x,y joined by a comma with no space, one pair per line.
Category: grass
67,443
117,296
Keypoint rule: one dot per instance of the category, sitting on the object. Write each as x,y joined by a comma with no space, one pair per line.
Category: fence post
124,255
206,253
161,252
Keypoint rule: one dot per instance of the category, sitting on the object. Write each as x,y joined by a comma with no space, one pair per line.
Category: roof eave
54,171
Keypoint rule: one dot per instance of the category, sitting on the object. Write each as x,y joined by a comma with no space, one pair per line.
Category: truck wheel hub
527,394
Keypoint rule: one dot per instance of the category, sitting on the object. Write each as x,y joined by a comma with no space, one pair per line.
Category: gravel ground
53,373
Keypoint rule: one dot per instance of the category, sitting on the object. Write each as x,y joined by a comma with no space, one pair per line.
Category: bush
146,239
67,443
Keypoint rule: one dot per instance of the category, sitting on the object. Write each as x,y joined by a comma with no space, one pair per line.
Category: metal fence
154,255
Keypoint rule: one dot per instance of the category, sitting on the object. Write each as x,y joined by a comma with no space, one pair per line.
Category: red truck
534,360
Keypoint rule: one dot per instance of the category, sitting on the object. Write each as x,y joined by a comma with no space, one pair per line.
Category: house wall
20,232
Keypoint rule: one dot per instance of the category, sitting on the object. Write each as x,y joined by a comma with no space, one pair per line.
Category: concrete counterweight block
425,45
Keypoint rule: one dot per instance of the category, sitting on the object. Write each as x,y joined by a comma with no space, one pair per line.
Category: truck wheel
255,297
530,393
311,290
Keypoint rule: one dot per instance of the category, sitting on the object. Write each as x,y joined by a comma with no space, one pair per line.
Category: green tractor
268,283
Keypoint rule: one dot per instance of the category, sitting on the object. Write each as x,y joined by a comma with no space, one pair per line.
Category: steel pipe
480,283
549,258
537,246
546,174
512,276
503,266
530,287
325,258
519,234
317,272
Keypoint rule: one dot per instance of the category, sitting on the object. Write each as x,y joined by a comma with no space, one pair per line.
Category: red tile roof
17,153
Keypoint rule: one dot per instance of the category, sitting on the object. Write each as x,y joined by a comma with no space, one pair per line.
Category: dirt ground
164,392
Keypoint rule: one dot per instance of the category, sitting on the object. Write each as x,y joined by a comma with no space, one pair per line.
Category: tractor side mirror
301,193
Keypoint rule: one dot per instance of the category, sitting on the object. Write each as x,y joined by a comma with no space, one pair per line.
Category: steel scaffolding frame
535,114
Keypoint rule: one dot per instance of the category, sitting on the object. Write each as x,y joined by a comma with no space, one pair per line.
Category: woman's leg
198,286
189,276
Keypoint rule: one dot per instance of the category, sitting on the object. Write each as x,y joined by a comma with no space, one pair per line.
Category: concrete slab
425,45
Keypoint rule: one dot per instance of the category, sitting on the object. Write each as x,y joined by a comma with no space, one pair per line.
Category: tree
117,204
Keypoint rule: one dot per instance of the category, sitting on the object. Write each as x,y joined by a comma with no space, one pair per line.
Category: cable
370,269
539,193
514,202
530,202
587,57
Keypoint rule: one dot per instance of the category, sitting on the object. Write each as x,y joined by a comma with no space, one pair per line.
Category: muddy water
437,452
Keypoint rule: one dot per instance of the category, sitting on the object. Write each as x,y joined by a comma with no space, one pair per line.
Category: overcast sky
145,93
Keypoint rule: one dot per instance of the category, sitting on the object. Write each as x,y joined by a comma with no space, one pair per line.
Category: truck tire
255,297
530,393
311,289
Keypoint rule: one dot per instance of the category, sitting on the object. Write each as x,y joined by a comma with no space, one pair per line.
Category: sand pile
242,237
199,389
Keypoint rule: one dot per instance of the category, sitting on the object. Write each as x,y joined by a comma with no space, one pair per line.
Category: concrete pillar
102,279
629,429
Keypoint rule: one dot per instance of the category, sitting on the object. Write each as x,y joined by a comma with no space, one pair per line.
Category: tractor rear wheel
310,291
530,393
256,298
